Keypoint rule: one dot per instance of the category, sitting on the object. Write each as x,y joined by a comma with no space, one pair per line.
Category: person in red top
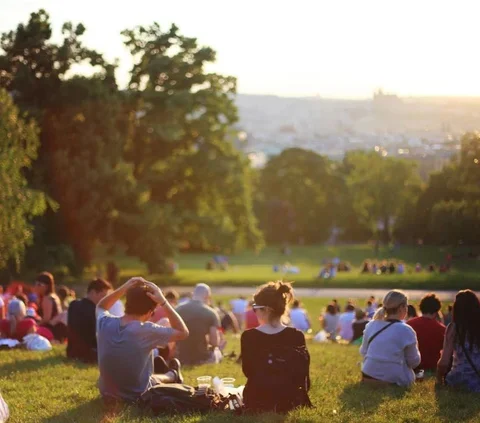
16,326
251,320
430,332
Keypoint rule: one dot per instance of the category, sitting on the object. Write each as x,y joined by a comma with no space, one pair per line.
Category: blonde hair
391,303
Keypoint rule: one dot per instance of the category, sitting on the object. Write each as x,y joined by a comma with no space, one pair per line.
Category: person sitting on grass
49,305
412,312
358,325
462,343
430,332
16,326
389,346
345,321
275,359
329,321
125,344
81,322
203,323
299,317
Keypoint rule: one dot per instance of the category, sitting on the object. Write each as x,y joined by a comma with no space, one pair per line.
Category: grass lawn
45,387
250,269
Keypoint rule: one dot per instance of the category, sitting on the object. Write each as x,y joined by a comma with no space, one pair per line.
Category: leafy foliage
18,202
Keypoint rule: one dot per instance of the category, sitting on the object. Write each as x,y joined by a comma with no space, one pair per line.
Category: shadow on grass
455,405
96,411
362,398
34,364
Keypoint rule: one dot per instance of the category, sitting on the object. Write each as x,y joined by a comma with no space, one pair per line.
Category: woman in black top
275,359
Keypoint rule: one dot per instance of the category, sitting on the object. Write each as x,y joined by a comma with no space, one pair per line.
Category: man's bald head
202,292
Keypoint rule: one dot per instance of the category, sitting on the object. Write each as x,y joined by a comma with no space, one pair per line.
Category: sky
331,48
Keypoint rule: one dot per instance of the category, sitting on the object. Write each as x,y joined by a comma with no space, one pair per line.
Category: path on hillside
413,294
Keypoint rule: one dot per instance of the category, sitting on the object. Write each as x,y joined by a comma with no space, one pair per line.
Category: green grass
250,269
45,387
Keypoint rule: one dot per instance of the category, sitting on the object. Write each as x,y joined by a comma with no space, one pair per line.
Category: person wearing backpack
462,343
389,347
275,359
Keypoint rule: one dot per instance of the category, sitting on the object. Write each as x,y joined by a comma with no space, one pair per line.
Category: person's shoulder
404,327
249,334
414,322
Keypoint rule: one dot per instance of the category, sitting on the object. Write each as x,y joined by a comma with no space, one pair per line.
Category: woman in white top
389,347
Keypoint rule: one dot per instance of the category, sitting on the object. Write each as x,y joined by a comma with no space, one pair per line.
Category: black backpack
183,399
282,381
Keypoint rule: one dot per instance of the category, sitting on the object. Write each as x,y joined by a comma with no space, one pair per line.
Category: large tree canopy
18,203
198,184
380,188
298,197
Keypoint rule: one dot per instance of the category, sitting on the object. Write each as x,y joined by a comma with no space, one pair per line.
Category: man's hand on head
155,293
135,281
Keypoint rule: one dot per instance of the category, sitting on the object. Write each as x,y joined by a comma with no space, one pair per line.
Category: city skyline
342,49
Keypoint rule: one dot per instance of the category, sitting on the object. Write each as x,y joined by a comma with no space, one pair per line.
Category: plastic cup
228,382
204,382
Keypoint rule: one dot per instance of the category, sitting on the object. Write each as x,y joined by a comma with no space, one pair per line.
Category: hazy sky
333,48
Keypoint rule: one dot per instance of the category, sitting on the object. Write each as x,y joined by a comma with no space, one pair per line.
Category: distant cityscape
424,129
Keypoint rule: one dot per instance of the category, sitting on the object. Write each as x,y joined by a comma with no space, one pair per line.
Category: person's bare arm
213,338
447,353
176,322
109,300
47,308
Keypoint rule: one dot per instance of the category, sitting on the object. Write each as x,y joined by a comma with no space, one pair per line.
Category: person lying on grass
125,344
389,346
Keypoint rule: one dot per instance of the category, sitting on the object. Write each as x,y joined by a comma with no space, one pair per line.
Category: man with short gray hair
203,324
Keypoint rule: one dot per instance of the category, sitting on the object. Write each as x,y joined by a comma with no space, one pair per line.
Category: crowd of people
155,333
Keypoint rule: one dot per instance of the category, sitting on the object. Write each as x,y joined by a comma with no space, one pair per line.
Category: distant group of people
385,267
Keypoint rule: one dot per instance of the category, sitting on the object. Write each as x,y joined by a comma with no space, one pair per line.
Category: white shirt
345,325
392,355
239,306
299,320
117,310
2,303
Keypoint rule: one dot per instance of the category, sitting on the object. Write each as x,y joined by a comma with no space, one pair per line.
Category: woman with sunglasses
275,359
48,303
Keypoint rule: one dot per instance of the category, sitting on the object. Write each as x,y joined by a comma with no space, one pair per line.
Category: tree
18,202
450,199
197,184
380,188
78,158
298,197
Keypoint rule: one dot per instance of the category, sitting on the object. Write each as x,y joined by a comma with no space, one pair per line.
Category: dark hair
172,295
138,302
296,304
430,304
99,285
63,292
466,315
450,308
350,307
331,309
411,311
276,296
46,278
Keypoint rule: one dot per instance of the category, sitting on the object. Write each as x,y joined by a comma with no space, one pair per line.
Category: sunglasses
258,307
